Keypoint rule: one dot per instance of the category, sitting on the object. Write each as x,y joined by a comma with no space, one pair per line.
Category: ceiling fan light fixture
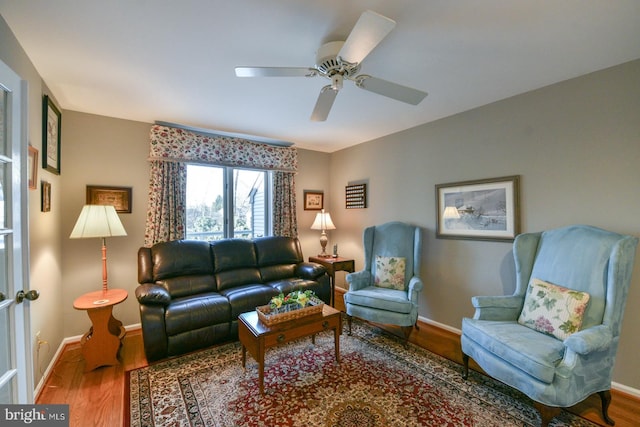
336,82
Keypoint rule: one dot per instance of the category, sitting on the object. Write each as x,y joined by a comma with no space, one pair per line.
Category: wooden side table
332,265
101,344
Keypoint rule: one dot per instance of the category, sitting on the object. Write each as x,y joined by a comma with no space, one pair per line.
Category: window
227,202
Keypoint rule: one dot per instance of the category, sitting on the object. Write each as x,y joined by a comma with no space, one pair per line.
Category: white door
15,367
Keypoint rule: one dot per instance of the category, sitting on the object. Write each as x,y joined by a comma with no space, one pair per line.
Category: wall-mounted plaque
356,196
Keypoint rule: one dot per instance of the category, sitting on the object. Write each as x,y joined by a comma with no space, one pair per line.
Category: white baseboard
56,356
614,385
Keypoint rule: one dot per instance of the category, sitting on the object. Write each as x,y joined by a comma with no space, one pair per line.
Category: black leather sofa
191,292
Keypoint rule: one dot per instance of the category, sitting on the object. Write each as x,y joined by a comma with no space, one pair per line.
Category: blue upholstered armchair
555,339
386,290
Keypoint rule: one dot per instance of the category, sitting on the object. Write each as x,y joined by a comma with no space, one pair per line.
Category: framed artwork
118,197
313,200
51,129
486,209
32,168
45,200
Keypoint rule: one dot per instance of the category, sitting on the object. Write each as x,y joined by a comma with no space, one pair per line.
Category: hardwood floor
96,398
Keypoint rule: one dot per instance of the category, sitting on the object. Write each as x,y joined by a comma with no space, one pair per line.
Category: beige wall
576,146
111,152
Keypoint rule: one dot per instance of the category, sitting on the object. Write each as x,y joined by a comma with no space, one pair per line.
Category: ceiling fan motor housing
328,64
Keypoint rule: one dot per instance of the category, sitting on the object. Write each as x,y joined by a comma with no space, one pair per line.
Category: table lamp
323,222
98,221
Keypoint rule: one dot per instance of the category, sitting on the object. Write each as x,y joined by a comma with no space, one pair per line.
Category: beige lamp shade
323,222
97,221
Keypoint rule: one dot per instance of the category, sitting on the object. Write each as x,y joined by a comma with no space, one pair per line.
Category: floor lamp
98,221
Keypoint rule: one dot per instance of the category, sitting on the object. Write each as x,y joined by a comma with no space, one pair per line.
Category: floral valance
180,145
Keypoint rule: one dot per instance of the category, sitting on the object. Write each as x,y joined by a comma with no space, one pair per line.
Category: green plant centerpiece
293,301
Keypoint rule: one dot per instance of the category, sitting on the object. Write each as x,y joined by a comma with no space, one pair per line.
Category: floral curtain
167,198
285,222
171,148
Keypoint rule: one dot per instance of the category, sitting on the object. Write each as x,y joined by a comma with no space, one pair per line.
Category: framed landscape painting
487,209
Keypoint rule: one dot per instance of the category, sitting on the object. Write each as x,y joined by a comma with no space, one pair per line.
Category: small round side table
101,344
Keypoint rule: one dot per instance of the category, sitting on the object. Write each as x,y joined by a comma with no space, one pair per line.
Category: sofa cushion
380,298
553,309
188,285
181,258
277,250
235,263
535,353
231,254
247,297
197,311
276,272
289,285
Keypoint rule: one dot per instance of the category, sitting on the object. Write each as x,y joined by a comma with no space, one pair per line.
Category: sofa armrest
310,270
505,307
151,294
358,280
589,340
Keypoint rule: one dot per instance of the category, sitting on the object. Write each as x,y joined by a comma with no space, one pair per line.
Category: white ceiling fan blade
323,104
275,72
390,90
368,32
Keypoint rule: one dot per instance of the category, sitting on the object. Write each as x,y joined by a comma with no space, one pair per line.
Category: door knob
30,295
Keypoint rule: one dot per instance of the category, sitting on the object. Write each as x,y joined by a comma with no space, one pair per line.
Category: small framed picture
51,129
32,168
486,209
118,197
313,200
45,200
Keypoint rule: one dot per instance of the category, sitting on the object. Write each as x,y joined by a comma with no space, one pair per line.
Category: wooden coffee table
257,337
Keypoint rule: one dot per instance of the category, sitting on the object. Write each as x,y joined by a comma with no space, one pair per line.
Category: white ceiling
173,61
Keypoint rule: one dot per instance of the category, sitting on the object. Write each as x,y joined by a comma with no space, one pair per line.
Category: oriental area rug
378,383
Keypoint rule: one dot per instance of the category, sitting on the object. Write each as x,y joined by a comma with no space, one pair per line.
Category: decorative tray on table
295,305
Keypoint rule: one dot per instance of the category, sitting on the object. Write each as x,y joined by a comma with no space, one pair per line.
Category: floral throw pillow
390,272
552,309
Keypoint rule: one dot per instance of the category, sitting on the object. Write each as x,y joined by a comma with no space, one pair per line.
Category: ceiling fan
341,60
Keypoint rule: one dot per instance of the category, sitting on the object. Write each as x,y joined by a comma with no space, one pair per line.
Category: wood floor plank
96,398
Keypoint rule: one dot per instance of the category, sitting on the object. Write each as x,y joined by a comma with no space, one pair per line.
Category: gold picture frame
32,168
118,197
485,209
313,200
45,199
